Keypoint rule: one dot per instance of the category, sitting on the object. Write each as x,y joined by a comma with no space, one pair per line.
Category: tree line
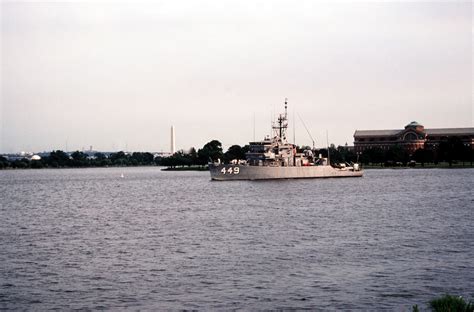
60,159
450,151
210,151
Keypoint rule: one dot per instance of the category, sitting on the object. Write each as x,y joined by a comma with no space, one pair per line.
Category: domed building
411,138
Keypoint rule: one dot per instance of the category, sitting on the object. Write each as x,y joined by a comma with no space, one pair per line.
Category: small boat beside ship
276,158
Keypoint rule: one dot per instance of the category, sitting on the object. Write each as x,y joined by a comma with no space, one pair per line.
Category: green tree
159,161
57,158
451,149
373,155
36,164
4,163
346,154
120,159
79,159
234,152
193,156
210,151
148,158
184,159
143,159
395,154
100,156
21,163
423,155
100,160
335,154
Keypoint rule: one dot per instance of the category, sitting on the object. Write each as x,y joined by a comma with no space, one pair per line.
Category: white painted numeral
230,170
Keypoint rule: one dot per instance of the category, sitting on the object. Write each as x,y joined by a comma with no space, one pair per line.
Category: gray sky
119,74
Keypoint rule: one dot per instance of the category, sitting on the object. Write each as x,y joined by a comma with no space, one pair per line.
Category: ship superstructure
276,158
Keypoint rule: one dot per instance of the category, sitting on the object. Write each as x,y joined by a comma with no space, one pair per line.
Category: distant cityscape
90,154
413,144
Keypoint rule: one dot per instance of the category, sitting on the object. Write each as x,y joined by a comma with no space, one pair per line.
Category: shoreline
186,169
443,166
163,168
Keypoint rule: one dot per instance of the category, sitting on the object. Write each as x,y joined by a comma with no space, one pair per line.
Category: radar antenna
281,125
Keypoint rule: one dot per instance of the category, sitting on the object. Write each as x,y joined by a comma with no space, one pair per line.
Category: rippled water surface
87,238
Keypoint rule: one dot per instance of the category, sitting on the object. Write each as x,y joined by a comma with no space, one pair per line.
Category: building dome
414,124
36,157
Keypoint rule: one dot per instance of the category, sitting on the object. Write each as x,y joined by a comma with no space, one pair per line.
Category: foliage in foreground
448,303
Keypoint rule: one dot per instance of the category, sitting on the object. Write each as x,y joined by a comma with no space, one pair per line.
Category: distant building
162,154
413,137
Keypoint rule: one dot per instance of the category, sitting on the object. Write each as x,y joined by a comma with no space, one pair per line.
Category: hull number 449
230,170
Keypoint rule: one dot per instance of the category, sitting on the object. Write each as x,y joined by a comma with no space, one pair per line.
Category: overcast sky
117,75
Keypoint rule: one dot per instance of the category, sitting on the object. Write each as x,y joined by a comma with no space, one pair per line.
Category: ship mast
282,121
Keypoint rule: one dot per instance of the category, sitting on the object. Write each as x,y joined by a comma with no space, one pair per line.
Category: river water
89,239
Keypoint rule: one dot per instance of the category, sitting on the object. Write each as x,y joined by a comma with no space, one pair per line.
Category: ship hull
243,172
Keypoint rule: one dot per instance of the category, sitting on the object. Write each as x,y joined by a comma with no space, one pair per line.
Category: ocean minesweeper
275,158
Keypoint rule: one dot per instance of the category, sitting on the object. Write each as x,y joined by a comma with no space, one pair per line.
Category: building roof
370,133
450,131
438,131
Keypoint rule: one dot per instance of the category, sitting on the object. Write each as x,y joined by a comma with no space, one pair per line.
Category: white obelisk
173,141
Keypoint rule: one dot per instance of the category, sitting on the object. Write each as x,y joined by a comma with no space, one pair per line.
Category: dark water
72,239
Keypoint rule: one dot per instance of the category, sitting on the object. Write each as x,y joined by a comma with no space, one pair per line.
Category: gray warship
275,158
